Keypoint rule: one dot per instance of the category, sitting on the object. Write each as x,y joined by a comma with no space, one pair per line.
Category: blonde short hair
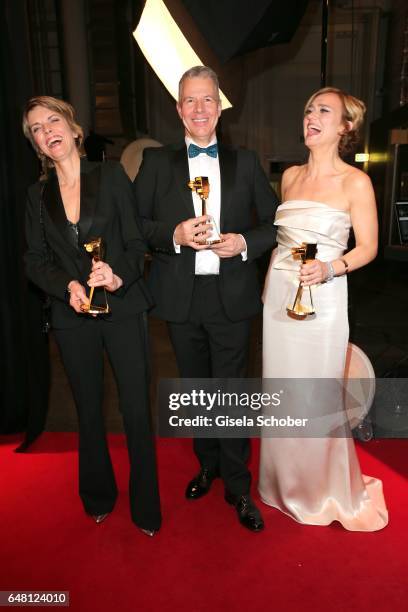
353,111
60,107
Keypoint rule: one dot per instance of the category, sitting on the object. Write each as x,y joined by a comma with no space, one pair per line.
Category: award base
215,237
299,313
95,310
209,242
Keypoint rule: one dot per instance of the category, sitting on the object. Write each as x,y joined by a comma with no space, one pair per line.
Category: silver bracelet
330,271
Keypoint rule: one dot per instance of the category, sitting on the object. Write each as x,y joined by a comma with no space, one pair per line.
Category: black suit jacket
248,206
107,210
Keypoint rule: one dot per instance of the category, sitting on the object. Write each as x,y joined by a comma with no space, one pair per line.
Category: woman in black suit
74,201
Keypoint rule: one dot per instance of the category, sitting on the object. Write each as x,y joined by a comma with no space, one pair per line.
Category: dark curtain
131,69
24,349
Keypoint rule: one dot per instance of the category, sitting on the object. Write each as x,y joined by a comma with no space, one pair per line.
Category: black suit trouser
82,354
209,345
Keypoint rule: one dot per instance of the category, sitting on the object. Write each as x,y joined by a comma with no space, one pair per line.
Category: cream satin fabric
313,480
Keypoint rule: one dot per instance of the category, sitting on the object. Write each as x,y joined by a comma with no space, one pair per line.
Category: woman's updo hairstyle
353,111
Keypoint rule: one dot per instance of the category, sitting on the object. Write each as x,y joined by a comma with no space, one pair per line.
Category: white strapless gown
313,480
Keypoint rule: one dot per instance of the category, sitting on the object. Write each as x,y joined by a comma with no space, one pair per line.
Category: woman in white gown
318,480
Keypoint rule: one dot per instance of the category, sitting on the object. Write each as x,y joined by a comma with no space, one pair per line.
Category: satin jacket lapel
182,174
55,208
228,168
90,181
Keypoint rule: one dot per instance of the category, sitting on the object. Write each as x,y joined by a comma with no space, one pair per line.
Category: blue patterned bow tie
193,150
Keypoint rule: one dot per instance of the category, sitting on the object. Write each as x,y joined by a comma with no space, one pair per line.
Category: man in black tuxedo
208,295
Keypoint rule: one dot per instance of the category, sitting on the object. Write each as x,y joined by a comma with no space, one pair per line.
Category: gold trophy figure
95,249
306,252
201,186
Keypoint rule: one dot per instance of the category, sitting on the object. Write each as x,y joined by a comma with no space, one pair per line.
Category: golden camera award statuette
201,186
95,248
300,310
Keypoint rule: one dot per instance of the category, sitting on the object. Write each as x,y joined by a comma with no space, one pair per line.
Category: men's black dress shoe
98,518
149,532
201,484
248,514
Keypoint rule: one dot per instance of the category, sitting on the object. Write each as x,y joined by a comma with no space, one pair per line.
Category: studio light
166,48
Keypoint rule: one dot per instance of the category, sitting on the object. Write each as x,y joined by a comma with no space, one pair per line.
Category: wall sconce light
379,157
166,48
362,157
371,157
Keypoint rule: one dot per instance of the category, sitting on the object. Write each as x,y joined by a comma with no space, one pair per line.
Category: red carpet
202,560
